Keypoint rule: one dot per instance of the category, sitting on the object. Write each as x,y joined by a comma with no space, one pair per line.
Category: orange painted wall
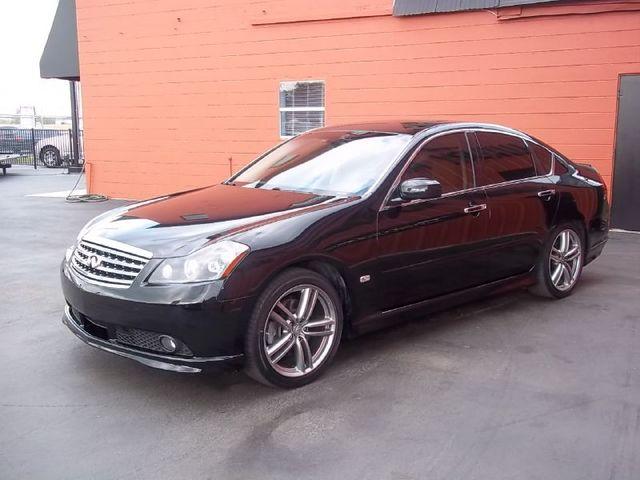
175,94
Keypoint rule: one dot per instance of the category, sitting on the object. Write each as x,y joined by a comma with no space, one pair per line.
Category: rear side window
445,159
543,158
504,158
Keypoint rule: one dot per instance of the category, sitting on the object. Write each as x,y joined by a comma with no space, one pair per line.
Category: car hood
179,224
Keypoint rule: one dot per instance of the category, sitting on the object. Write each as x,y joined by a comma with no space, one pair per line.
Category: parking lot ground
514,387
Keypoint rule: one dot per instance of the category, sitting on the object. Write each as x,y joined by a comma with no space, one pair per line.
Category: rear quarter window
559,167
542,157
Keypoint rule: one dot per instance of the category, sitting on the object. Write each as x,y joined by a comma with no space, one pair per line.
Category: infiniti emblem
94,261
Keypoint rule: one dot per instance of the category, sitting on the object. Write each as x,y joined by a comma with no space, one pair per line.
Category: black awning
60,55
417,7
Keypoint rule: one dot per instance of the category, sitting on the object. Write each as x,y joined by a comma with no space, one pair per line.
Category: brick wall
178,94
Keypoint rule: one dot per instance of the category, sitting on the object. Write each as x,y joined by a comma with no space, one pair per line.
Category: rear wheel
294,331
561,262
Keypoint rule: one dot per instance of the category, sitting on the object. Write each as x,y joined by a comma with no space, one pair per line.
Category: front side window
445,159
301,107
326,163
504,158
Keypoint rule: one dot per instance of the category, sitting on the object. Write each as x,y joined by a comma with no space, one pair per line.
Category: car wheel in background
295,329
561,262
50,156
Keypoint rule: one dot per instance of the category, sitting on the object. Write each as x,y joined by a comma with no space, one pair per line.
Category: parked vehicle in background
14,140
50,147
52,150
333,233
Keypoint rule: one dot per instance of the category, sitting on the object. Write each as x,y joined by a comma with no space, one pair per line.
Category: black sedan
331,234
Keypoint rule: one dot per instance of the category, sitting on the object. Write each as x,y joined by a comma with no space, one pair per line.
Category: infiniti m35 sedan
331,234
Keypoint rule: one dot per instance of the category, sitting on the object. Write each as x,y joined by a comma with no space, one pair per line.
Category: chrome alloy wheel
300,331
565,260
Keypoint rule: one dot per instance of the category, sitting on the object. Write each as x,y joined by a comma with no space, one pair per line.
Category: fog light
168,343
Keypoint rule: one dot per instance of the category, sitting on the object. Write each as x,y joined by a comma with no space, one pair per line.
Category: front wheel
561,262
294,331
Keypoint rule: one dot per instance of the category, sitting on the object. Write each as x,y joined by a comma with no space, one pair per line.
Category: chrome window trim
489,129
514,182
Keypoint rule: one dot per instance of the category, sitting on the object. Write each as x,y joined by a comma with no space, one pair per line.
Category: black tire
50,156
545,286
257,365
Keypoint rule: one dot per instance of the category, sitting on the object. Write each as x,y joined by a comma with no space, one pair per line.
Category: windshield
326,163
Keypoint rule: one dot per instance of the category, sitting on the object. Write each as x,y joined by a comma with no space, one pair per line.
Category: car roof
413,127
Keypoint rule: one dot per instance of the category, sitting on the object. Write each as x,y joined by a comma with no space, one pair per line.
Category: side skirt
387,318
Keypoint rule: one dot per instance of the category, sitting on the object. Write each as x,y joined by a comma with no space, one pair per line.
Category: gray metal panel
60,55
417,7
625,209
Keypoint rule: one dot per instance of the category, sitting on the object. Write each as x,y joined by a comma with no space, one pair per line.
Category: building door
625,208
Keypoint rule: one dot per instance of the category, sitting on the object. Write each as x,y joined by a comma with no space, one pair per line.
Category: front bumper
155,360
211,331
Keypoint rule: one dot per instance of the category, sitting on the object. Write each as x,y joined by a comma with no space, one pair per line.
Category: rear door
427,248
521,201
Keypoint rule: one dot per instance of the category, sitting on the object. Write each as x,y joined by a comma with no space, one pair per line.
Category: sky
24,28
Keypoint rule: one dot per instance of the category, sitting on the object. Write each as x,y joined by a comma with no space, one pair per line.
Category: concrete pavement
514,387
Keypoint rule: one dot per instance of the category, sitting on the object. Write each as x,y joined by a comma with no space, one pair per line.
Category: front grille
108,266
147,340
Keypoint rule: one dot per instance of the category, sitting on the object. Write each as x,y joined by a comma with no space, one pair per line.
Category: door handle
546,194
475,208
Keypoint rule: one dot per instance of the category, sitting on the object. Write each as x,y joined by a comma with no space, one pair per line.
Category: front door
426,247
625,207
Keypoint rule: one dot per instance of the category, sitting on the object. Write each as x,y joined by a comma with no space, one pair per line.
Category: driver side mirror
420,189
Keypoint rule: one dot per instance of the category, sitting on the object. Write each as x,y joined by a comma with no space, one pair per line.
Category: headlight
209,263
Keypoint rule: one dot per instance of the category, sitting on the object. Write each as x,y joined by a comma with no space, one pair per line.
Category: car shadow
357,359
